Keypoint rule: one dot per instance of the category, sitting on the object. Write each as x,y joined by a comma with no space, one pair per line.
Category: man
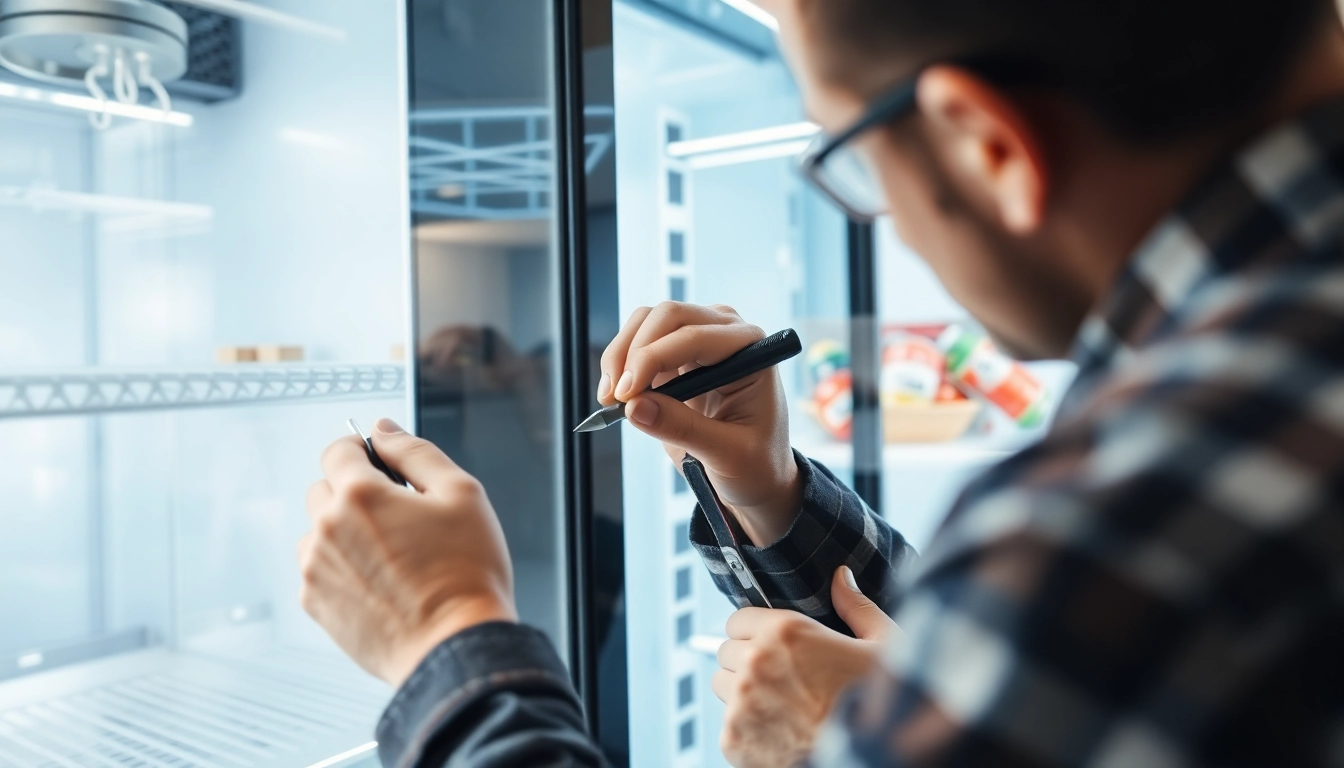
1154,187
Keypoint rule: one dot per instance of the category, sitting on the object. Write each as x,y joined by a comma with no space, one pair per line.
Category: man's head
1050,135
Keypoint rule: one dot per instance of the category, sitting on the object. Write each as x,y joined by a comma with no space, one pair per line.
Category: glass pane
482,178
712,227
940,432
195,297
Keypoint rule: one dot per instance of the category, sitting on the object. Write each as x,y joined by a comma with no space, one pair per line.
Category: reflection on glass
707,227
482,178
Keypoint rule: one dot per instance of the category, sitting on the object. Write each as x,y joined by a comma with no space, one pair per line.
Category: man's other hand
739,432
782,673
392,572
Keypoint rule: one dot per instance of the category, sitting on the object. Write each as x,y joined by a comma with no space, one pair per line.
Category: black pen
374,458
765,353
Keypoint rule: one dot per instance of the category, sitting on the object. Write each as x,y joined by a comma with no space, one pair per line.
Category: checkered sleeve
1109,596
834,528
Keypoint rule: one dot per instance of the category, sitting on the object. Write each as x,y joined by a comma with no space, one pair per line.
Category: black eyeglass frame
897,103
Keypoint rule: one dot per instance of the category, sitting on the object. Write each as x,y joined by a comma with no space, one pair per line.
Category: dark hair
1151,70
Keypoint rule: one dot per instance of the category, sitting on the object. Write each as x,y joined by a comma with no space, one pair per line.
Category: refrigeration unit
226,227
203,273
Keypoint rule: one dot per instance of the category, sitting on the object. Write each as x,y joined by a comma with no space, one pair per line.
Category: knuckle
325,527
637,359
359,494
646,361
747,687
756,331
467,488
790,633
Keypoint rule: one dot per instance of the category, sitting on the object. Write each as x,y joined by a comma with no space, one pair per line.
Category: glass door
204,250
711,211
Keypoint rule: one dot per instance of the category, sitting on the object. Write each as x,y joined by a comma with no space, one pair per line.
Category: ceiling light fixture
92,105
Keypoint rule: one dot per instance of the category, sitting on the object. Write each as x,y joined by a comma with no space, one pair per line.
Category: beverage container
834,399
912,370
975,364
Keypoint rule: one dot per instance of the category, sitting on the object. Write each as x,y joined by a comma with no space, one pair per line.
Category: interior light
754,12
790,133
750,155
90,104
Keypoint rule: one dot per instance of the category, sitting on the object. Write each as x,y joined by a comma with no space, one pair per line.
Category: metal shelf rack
34,395
493,164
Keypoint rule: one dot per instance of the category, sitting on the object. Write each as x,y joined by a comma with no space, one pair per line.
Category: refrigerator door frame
584,72
589,302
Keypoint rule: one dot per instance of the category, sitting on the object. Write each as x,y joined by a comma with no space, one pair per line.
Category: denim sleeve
493,695
834,528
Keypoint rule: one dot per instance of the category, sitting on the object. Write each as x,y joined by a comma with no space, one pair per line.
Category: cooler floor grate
270,711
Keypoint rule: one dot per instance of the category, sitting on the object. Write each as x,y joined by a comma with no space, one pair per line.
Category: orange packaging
974,362
912,370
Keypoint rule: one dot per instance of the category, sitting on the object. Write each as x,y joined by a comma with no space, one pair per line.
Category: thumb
864,617
421,462
680,426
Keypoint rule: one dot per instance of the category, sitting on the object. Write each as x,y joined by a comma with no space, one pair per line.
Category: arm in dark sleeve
834,528
494,695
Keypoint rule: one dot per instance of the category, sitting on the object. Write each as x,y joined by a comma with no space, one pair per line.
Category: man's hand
739,432
782,673
391,572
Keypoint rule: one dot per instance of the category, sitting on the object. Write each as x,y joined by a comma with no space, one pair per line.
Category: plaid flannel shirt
834,528
1160,581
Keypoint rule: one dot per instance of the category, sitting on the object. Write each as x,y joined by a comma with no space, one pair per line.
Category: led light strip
754,12
90,104
693,148
749,155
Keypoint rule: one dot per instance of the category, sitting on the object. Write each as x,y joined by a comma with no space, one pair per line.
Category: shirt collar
1281,196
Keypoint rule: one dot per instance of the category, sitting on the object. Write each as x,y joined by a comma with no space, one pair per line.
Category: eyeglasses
834,166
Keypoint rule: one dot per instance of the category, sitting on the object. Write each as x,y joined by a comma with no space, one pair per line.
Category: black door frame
590,301
583,31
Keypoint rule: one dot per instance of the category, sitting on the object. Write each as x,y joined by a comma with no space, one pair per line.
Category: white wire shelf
29,395
280,708
40,198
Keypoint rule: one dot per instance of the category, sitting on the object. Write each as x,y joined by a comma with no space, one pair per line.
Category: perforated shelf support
98,392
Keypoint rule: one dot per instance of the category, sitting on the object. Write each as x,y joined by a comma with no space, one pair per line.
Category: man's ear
991,142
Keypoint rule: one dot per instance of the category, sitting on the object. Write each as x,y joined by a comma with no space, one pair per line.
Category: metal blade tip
593,423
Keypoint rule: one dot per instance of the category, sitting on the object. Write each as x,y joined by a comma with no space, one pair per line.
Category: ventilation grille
270,712
214,63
